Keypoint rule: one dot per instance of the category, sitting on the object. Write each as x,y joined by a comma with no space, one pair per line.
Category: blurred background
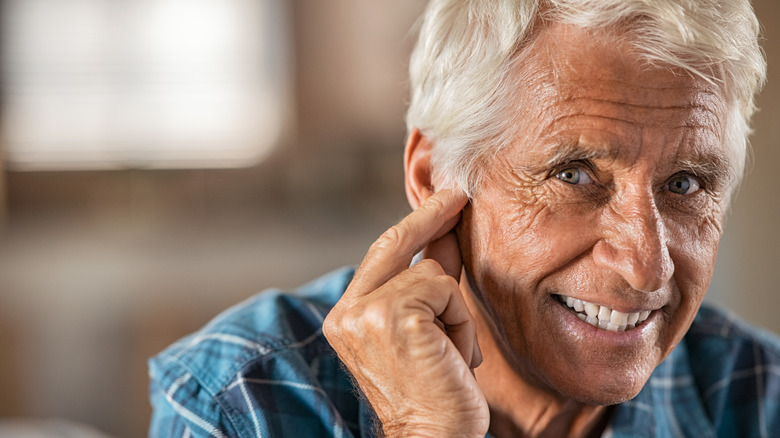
161,160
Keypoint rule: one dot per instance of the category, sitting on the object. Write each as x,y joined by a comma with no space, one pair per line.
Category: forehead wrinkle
689,115
642,106
561,118
581,86
686,93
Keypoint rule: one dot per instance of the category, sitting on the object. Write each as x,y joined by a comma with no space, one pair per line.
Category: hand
406,334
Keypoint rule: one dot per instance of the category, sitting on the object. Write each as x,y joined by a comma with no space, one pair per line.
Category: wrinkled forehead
574,74
575,62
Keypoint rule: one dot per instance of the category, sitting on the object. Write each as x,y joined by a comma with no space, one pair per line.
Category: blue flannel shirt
264,369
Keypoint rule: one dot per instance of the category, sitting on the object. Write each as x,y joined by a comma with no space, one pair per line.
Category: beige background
100,270
748,269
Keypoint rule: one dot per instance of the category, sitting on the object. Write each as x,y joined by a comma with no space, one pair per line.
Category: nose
634,243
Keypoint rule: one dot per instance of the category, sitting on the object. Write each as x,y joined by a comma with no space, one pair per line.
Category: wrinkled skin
619,237
613,192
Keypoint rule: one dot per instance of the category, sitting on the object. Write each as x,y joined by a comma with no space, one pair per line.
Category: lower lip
573,324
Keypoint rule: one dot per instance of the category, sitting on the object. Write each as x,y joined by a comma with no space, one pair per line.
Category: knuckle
445,281
330,327
350,324
430,267
419,331
376,317
434,203
362,322
414,325
392,238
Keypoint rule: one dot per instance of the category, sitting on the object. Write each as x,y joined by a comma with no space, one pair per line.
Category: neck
519,408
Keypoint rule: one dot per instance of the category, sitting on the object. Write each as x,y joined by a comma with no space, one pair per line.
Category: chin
603,388
604,396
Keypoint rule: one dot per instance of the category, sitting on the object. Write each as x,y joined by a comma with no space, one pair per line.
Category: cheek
693,248
513,242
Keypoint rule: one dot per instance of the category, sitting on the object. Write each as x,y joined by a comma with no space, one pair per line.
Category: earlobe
418,168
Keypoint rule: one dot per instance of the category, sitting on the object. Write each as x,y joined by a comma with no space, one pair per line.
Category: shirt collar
670,404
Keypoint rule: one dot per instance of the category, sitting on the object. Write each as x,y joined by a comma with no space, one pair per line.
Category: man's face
612,194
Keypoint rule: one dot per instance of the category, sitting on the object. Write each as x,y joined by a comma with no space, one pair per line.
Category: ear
417,168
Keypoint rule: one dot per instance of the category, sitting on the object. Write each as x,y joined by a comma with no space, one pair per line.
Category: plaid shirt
264,369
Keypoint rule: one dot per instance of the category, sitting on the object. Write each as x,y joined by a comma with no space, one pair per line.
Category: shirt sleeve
737,370
260,369
182,408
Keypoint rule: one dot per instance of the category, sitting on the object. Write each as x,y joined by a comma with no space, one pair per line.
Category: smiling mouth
603,317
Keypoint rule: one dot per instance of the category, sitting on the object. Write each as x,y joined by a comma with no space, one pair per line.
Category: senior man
570,164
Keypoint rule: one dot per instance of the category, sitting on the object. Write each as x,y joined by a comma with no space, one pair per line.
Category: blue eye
574,175
683,185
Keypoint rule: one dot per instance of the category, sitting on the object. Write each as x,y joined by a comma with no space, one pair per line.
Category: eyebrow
564,151
712,166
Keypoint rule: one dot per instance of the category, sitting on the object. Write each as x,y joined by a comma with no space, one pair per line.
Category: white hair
461,89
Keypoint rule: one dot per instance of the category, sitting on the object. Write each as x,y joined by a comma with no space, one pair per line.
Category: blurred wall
747,276
100,270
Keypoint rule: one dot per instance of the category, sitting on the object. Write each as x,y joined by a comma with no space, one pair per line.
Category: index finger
393,251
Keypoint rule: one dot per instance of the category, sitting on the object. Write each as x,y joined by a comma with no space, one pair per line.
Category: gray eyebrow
713,167
573,150
564,151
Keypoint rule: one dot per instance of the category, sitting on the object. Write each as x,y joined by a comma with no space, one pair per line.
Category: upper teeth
603,317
